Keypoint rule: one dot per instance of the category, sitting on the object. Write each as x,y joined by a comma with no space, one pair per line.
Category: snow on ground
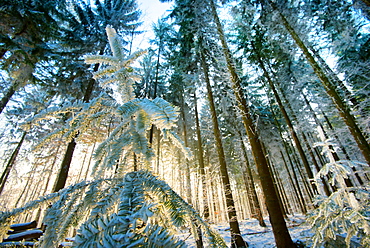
262,237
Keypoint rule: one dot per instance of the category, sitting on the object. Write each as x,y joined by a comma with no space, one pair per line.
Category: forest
237,110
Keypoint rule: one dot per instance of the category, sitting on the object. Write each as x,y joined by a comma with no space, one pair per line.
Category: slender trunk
287,150
341,106
281,233
66,163
334,77
279,187
135,162
82,166
88,163
7,95
64,169
187,164
316,164
236,238
151,132
255,204
335,135
26,195
275,183
287,120
335,155
295,186
201,160
309,149
10,164
158,150
25,191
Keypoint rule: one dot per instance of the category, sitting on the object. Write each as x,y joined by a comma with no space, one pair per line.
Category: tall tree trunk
7,95
64,168
236,238
295,185
255,204
287,150
281,233
187,164
151,132
341,106
332,76
10,164
201,160
67,159
286,118
335,155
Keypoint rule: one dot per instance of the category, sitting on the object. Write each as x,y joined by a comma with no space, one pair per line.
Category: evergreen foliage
138,210
295,65
345,211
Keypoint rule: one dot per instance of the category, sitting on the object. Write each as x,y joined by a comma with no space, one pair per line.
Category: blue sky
152,10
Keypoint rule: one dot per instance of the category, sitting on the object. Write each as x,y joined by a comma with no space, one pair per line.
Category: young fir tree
89,23
127,210
345,211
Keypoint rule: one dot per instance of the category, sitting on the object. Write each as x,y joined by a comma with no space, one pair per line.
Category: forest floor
262,237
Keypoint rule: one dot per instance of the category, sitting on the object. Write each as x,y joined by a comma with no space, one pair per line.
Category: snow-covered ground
262,237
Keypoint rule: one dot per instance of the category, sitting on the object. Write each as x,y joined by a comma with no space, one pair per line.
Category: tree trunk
201,160
64,168
255,204
287,120
187,164
7,95
66,163
334,77
10,164
287,150
236,238
341,106
296,188
281,233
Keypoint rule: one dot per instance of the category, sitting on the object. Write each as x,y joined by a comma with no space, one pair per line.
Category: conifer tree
120,14
136,209
330,88
280,230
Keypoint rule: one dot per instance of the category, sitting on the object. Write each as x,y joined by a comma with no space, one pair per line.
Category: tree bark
64,169
287,119
201,160
255,204
187,164
10,164
7,95
296,188
236,238
66,163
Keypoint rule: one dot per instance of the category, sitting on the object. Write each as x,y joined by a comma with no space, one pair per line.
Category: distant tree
329,85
